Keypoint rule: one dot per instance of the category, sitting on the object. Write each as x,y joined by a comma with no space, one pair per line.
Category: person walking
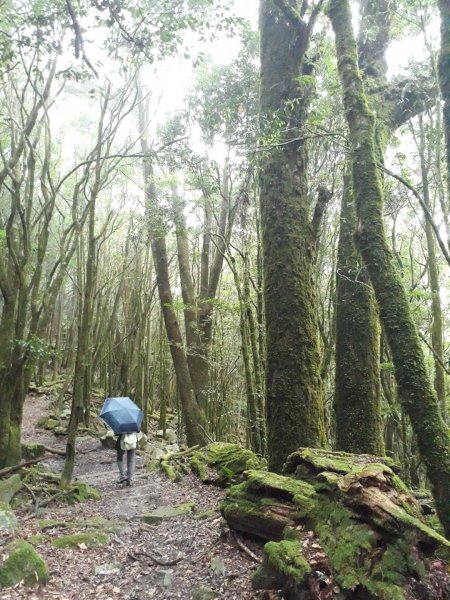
126,442
125,419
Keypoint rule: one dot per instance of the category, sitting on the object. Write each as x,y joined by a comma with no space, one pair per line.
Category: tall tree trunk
444,77
83,355
293,386
414,386
437,328
357,390
357,398
194,417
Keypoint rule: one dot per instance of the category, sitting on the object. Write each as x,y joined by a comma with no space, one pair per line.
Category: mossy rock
38,472
91,539
204,593
23,563
50,423
9,487
60,430
8,521
30,451
223,463
163,513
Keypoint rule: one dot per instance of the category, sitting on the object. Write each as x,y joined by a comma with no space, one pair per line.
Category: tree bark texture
293,387
357,398
437,324
444,76
357,394
414,386
194,416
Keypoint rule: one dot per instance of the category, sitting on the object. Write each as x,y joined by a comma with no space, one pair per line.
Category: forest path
207,565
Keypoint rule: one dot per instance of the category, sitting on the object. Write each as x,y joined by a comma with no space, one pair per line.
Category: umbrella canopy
122,415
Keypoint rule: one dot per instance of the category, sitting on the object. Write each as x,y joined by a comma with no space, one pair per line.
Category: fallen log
353,515
25,463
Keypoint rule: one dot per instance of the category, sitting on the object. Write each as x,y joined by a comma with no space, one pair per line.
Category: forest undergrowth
112,552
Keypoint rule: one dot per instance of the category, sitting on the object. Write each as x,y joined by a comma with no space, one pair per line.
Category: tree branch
424,207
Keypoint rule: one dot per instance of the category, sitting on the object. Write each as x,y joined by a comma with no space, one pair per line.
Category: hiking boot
122,479
129,483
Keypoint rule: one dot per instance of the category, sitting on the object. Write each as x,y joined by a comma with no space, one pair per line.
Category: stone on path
107,569
205,593
164,577
170,436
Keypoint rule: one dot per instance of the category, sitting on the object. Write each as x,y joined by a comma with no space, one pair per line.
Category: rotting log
369,532
218,463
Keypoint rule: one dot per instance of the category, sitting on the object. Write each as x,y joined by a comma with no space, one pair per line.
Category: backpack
129,441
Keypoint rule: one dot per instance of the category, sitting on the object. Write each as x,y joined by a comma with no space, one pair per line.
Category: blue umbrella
122,415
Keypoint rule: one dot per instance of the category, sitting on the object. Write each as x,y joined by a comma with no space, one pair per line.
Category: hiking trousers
131,463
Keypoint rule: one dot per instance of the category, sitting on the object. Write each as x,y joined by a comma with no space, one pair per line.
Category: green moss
199,467
207,514
170,470
371,553
22,564
284,566
286,556
357,397
38,538
80,492
231,460
37,473
316,460
301,493
91,539
48,422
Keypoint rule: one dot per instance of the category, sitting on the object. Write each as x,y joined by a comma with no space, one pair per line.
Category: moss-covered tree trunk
414,386
444,76
357,388
437,325
357,383
293,386
83,355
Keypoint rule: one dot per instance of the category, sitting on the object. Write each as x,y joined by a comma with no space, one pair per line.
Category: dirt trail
203,558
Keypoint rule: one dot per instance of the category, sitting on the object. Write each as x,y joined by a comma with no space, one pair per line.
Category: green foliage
225,99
